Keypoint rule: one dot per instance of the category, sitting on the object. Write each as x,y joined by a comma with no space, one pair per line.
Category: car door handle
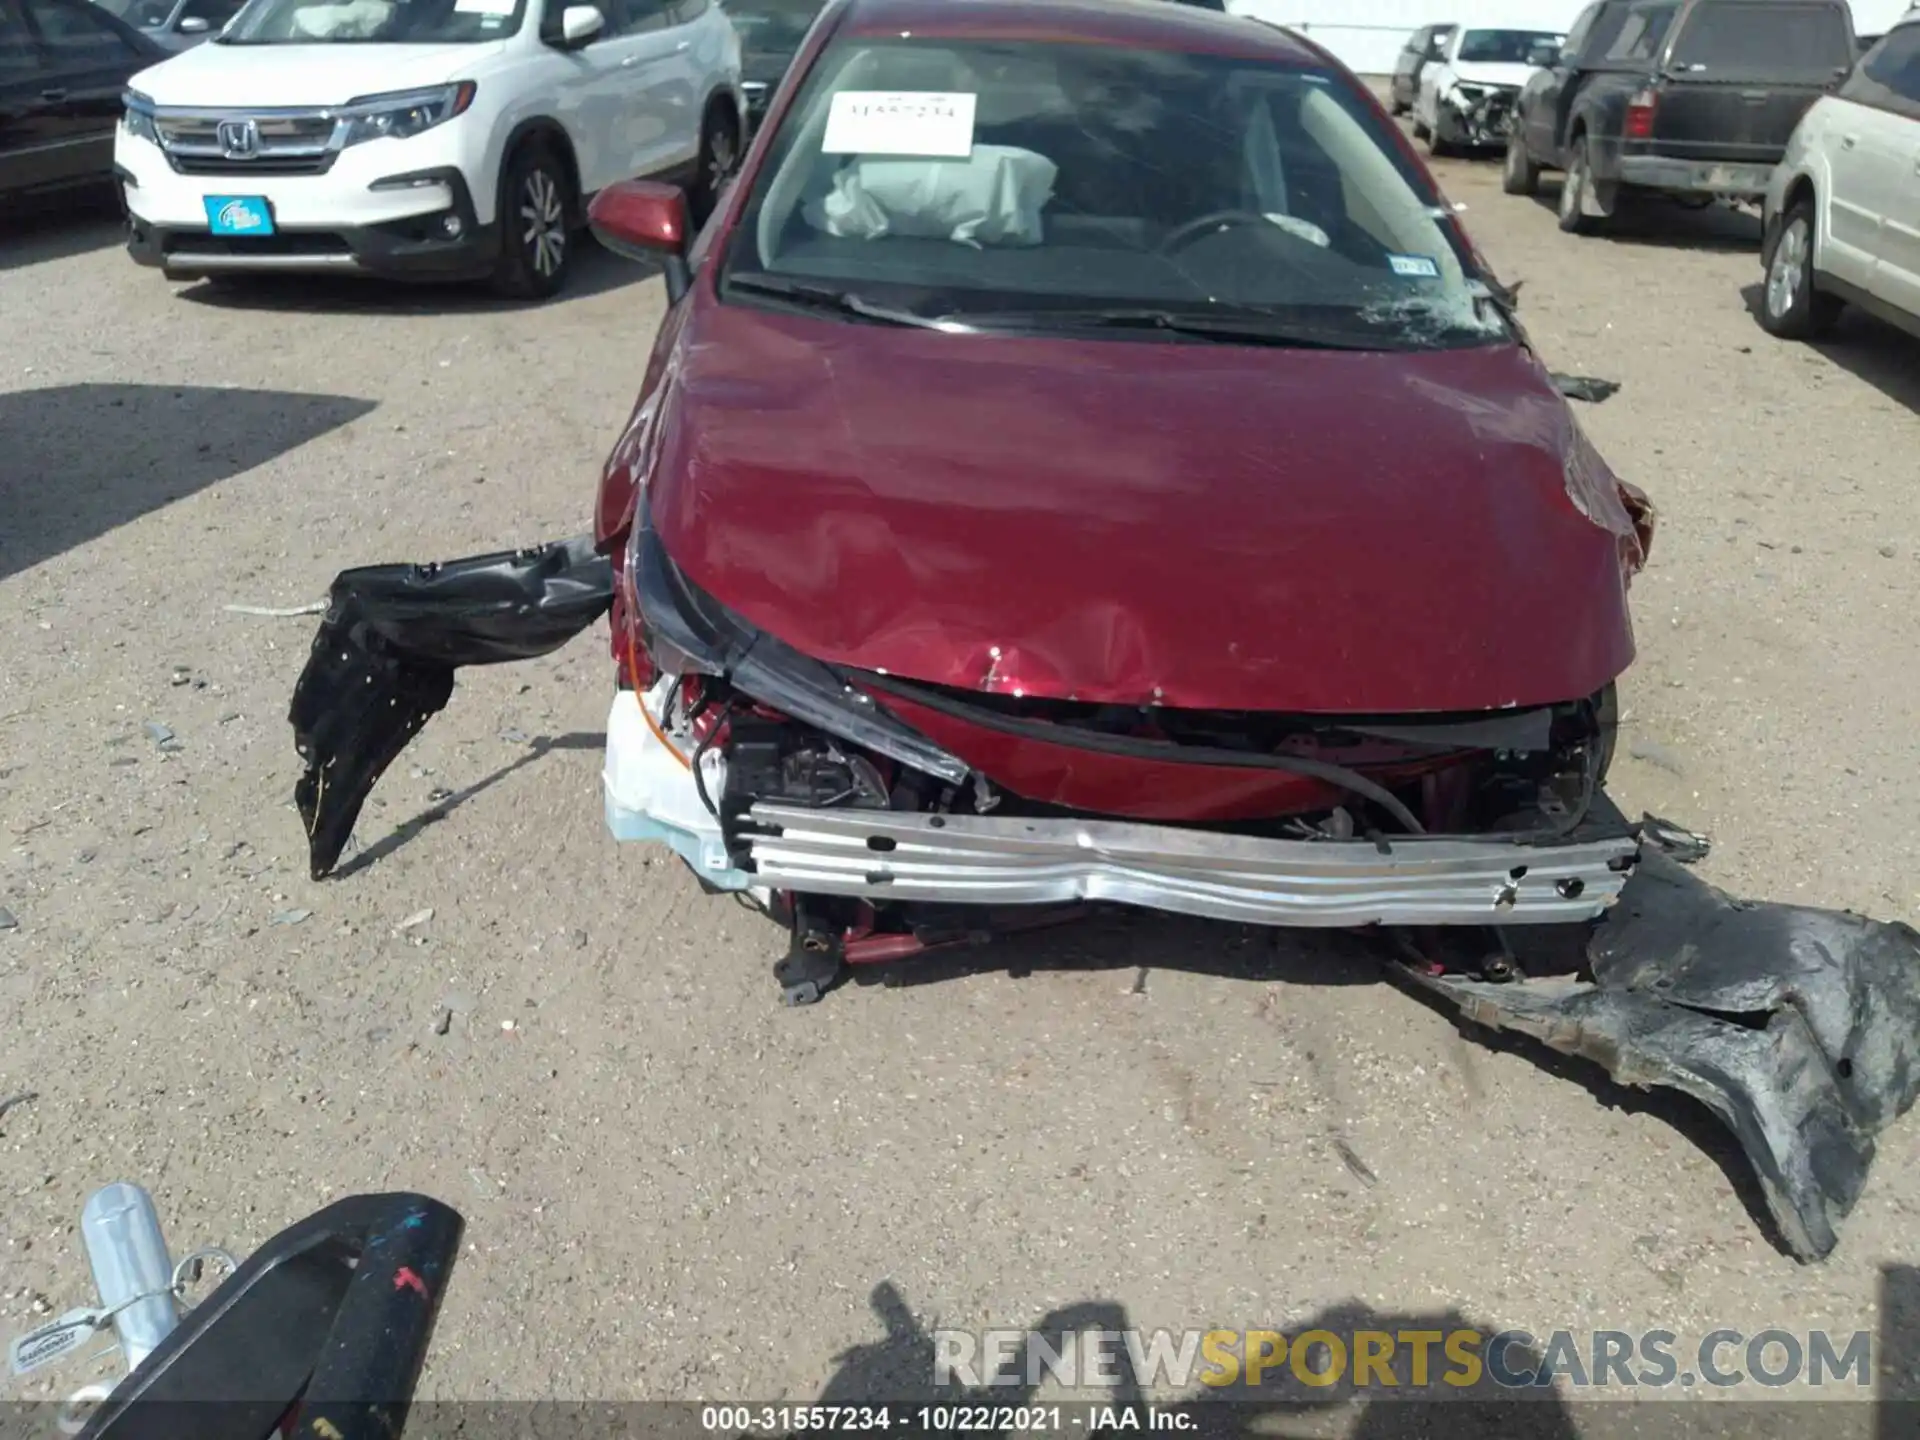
1847,142
53,97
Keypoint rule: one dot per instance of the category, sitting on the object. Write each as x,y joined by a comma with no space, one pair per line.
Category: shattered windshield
404,22
1502,47
1061,185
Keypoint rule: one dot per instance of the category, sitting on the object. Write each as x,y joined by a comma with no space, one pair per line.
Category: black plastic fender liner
383,660
1798,1027
1586,388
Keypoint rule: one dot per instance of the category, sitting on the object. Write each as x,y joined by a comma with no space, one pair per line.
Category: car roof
1141,24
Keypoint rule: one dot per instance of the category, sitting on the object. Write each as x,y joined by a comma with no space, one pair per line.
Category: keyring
187,1272
74,1415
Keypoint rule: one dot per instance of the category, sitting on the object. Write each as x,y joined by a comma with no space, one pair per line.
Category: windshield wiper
825,297
1228,329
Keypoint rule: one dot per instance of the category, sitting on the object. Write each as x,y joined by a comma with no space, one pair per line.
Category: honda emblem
239,139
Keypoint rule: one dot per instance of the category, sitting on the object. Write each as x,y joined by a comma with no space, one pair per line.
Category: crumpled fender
1798,1027
383,660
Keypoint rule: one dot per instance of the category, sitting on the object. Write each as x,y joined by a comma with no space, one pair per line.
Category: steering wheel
1182,236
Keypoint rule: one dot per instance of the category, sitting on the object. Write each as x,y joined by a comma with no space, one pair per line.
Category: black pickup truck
1689,98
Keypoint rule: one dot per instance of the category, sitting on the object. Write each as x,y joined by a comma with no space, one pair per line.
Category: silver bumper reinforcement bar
956,859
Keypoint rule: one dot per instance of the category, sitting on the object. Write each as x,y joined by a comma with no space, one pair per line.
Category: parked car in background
1467,95
421,138
1423,47
770,34
174,24
63,66
1842,221
1688,98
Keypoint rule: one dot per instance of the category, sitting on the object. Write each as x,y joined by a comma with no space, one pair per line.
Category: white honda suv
421,138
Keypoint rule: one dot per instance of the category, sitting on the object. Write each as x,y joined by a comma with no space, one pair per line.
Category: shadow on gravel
1653,223
53,227
1886,358
1142,943
595,271
1498,1383
898,1371
77,461
407,830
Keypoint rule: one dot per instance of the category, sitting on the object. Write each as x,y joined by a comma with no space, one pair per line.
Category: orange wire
633,664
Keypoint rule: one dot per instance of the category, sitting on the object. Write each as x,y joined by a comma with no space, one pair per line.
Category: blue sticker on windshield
1420,267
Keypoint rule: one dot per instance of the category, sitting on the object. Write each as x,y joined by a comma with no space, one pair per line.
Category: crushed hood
1202,526
218,76
1489,73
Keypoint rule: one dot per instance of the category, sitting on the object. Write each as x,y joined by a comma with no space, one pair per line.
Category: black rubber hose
1351,781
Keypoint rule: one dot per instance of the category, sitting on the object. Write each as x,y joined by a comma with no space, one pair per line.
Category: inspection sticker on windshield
1422,267
933,123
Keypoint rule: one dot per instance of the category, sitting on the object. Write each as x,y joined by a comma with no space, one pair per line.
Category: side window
1888,76
1640,37
215,12
635,17
1577,36
75,38
19,59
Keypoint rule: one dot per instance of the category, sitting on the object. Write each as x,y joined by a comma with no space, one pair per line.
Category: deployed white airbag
355,20
993,197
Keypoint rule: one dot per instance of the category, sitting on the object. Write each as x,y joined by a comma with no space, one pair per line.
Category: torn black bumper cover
1799,1028
383,661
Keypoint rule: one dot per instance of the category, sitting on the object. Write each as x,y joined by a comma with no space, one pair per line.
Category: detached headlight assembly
137,119
403,113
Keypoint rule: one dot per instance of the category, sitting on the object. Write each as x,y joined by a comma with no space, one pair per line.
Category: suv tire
1791,303
1575,187
537,209
719,158
1518,174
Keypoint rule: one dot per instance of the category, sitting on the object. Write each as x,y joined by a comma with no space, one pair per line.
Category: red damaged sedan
1086,460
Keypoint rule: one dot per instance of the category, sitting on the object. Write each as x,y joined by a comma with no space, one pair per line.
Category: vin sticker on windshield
1421,267
932,123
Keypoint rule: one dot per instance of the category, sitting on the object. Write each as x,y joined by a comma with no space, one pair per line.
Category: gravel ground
674,1187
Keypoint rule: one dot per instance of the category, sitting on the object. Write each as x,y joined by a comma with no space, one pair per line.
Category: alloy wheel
1573,189
722,156
544,222
1788,269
